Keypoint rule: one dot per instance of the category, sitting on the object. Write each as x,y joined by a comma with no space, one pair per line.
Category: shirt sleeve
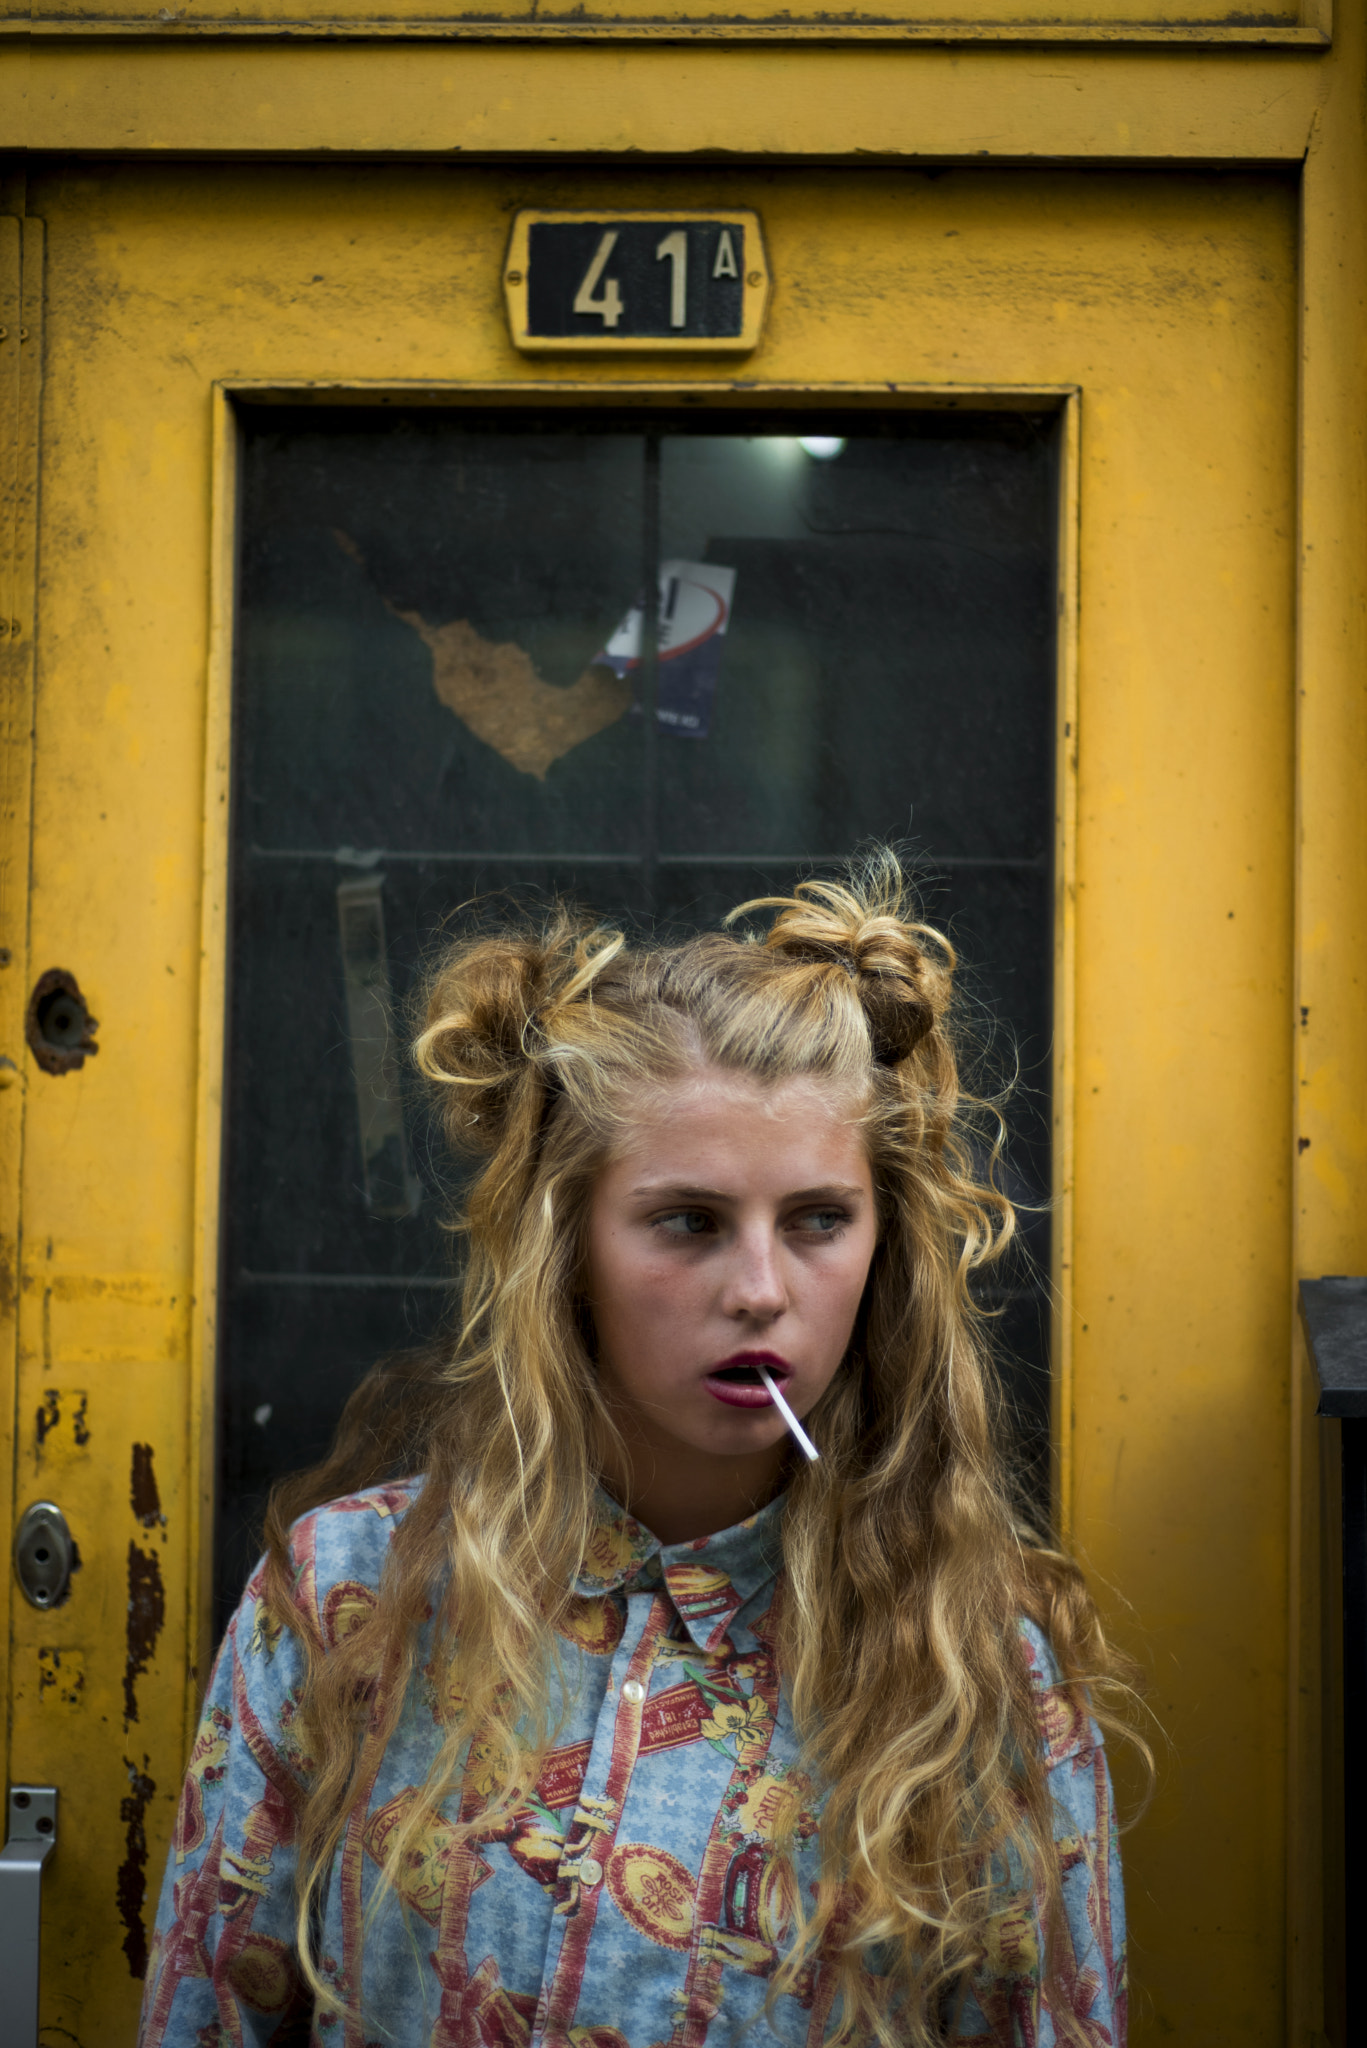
1008,2004
223,1963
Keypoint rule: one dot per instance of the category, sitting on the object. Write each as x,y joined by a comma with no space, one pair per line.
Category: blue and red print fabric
636,1901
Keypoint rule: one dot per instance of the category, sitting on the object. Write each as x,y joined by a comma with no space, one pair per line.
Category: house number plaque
636,281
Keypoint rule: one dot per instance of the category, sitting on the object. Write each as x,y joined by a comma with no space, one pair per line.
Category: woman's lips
736,1393
750,1393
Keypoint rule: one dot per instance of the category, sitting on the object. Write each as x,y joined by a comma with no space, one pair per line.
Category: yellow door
1151,317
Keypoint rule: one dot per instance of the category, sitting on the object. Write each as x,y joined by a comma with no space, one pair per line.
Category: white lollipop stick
788,1416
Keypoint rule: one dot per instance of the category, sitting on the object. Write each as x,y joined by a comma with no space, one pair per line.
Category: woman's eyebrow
675,1191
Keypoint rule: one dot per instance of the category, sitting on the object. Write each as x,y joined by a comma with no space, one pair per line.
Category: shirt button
634,1691
590,1872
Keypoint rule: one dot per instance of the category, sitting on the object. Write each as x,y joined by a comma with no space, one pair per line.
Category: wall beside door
1163,308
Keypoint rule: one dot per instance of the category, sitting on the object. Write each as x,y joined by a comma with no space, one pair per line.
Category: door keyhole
59,1028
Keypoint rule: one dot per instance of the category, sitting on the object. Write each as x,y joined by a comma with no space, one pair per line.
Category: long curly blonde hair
906,1567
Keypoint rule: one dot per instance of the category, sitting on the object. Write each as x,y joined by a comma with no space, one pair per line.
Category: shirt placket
592,1831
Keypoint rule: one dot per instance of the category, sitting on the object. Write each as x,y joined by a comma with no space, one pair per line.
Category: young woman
596,1713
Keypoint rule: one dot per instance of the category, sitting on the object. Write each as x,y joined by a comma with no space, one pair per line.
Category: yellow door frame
1288,109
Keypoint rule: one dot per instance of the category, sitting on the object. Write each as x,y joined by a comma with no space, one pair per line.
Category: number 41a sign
636,281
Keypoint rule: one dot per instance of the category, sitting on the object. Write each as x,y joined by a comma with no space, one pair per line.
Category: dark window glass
440,683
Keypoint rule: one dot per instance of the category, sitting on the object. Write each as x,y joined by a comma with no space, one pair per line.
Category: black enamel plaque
636,279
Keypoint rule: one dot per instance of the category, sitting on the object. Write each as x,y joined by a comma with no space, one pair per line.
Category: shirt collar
708,1580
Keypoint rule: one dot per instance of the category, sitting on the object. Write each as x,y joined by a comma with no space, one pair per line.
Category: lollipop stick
788,1416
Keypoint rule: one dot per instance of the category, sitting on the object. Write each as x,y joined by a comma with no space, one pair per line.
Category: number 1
608,306
675,247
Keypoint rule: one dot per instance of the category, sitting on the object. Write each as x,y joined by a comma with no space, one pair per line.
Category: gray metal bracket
32,1831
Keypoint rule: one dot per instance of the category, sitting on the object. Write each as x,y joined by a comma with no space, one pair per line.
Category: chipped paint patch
61,1425
49,1414
61,1678
146,1618
132,1878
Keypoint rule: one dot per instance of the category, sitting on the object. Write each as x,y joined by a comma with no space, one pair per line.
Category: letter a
725,265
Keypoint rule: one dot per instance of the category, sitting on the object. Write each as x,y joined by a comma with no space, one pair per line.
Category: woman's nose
755,1284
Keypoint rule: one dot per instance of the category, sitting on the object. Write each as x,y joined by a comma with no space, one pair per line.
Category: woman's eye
685,1223
822,1222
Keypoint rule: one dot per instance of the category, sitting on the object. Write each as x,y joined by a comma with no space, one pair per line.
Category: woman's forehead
714,1111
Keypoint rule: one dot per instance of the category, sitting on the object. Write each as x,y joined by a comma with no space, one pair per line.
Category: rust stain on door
146,1618
144,1498
132,1878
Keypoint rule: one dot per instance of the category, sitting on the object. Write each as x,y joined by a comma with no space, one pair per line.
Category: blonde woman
580,1707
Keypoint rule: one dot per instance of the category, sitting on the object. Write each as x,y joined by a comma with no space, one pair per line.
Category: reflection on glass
391,1188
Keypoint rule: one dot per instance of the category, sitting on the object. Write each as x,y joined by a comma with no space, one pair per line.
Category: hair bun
898,1020
472,1043
487,1009
901,968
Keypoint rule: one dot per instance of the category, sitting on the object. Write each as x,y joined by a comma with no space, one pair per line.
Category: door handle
32,1832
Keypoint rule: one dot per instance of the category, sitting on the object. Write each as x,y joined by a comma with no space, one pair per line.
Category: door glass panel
443,658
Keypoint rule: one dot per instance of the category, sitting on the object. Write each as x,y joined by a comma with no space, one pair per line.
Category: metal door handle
44,1554
32,1832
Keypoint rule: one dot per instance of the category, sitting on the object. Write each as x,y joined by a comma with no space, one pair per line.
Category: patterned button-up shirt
636,1900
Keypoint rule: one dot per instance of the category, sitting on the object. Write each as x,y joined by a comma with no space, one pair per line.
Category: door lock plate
44,1554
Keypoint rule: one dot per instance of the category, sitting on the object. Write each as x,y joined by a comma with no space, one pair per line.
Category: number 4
608,306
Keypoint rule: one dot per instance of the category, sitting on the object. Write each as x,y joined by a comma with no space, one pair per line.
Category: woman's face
735,1228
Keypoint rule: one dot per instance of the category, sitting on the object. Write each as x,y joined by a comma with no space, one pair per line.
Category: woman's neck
680,1500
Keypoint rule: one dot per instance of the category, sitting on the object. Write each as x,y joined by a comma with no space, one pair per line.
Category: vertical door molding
1329,1166
213,997
1065,965
21,331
